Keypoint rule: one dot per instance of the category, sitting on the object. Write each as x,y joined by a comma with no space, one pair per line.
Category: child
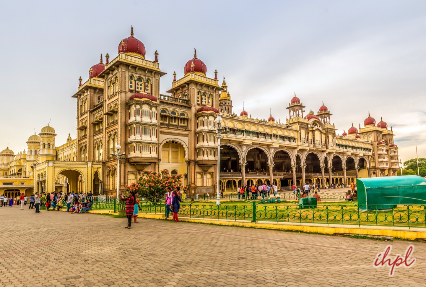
136,211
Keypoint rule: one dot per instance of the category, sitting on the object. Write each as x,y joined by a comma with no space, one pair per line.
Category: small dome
143,96
344,134
7,152
271,118
382,124
244,113
352,130
95,70
369,121
357,137
33,139
295,100
323,108
207,109
311,116
195,65
47,130
132,45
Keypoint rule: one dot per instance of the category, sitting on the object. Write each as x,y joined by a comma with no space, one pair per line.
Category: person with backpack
169,198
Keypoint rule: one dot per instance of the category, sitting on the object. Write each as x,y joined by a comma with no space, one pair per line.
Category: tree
153,185
406,172
412,164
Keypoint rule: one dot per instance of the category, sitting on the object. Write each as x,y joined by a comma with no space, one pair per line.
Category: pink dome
132,45
271,118
310,116
244,113
197,64
95,70
207,109
295,100
382,124
369,121
323,108
344,134
352,130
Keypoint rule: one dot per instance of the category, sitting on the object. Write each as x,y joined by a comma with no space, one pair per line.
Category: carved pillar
330,176
243,174
271,174
322,176
294,175
356,171
303,174
344,176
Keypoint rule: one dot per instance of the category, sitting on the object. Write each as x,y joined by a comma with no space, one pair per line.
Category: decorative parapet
195,77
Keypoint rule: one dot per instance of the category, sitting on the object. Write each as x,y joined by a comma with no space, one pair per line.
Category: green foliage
406,172
412,164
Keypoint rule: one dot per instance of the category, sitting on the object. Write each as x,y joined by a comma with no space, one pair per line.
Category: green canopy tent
387,192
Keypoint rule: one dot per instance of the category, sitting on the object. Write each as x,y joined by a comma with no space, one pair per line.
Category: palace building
121,104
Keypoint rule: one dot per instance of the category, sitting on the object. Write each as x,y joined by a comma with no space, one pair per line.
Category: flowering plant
153,185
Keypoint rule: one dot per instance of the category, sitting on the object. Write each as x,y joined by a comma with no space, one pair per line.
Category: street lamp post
219,130
118,153
400,165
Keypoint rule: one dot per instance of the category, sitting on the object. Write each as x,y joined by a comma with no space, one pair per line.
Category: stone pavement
62,249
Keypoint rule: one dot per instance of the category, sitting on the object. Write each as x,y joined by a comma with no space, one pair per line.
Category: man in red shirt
317,196
22,200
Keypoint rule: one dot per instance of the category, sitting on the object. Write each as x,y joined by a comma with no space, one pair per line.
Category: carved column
356,169
344,176
303,174
322,177
294,175
243,174
271,174
330,175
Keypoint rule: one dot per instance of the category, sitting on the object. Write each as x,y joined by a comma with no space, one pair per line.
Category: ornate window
131,83
173,113
139,84
164,112
116,85
174,172
182,114
148,87
204,99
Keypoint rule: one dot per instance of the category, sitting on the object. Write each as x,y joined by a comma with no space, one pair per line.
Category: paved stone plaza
61,249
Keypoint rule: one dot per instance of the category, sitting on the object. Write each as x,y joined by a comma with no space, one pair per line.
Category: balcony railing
174,99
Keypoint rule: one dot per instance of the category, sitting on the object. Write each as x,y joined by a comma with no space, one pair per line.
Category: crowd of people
256,191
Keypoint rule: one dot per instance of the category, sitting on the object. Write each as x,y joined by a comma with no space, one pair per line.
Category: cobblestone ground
61,249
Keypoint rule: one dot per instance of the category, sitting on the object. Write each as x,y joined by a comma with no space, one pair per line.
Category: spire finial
156,56
131,31
101,60
243,101
107,58
368,114
174,76
195,53
270,112
381,119
352,124
215,74
79,81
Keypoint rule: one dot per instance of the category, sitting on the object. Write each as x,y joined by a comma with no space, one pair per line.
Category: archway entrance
282,162
75,180
256,161
337,169
96,184
173,159
229,159
313,169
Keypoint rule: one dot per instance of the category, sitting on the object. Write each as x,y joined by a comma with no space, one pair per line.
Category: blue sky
356,57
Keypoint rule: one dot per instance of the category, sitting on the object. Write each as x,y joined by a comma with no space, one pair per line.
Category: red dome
344,134
382,124
199,66
95,70
271,118
357,136
309,117
132,45
352,130
295,100
207,109
369,121
392,145
323,108
244,113
143,96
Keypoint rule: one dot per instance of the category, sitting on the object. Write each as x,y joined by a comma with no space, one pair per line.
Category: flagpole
417,157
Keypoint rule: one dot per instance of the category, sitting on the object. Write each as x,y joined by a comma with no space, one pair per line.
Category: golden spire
195,53
156,53
131,31
101,60
122,43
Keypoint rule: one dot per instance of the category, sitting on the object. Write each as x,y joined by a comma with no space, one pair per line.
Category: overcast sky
356,57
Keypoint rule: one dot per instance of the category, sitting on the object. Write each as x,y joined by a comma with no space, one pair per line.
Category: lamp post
118,153
219,130
400,165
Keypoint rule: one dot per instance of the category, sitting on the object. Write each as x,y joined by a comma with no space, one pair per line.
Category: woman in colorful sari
10,201
130,207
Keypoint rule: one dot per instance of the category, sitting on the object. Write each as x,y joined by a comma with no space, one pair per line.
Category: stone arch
237,148
185,146
366,159
75,178
268,155
288,151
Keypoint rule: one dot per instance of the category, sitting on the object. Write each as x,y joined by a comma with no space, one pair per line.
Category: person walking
11,201
4,201
22,200
31,202
275,190
176,205
37,203
306,188
130,206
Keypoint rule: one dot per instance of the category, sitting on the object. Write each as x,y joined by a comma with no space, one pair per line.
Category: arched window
164,112
198,97
131,83
209,99
139,84
174,172
182,114
116,85
173,113
204,99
